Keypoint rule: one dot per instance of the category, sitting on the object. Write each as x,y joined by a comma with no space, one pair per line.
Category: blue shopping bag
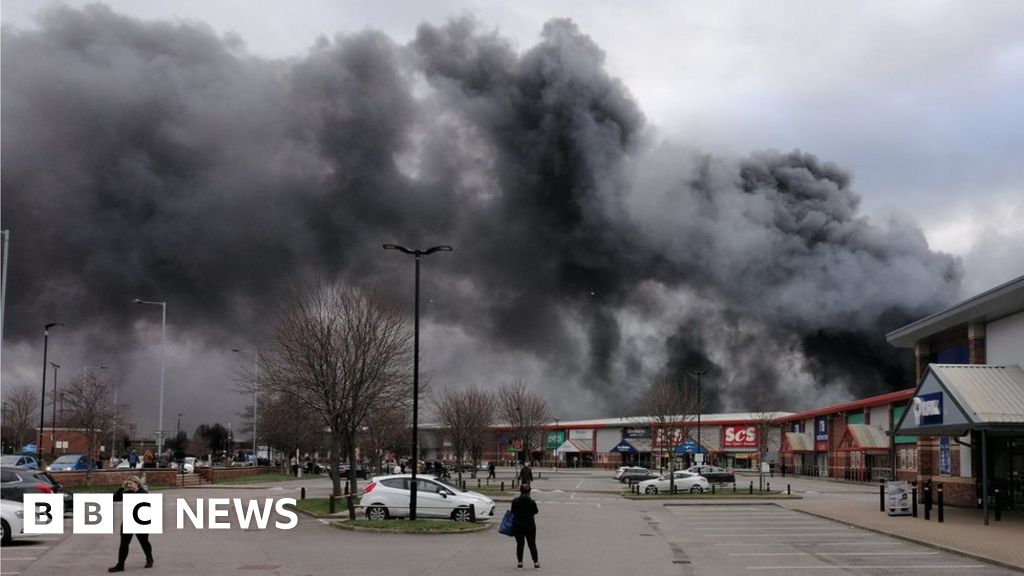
508,524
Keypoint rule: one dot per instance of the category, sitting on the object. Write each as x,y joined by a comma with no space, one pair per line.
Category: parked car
636,474
12,521
619,471
361,471
388,497
15,481
188,465
71,462
685,482
124,465
22,460
714,473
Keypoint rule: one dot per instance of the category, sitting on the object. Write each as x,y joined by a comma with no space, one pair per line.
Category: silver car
388,497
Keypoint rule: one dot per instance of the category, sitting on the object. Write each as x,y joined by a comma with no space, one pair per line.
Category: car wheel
376,513
462,515
6,532
651,490
696,490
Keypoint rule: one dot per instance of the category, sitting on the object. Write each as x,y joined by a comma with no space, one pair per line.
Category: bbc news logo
144,514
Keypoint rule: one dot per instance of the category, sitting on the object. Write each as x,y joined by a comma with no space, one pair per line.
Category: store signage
739,437
554,439
945,467
637,433
821,434
587,434
928,409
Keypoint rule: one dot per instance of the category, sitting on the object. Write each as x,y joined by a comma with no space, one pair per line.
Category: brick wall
214,474
154,477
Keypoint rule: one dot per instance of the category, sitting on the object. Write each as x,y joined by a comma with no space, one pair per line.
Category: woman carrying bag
525,529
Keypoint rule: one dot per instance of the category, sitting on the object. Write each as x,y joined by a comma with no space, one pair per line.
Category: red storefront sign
739,437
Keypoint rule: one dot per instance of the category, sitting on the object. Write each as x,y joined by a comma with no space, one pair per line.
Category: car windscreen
69,459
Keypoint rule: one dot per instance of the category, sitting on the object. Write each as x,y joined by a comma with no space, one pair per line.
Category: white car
11,520
388,496
685,482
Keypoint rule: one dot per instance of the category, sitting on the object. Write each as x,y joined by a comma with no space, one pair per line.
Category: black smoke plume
158,160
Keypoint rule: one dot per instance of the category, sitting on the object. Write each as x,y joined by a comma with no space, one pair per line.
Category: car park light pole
53,413
163,339
417,254
42,410
700,408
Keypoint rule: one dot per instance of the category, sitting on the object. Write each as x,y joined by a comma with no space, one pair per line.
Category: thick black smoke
160,161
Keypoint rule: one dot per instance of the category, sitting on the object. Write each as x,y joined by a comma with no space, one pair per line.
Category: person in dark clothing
525,475
524,509
133,485
490,470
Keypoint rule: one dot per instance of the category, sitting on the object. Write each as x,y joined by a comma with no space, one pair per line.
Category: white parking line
579,484
749,534
836,543
880,567
835,554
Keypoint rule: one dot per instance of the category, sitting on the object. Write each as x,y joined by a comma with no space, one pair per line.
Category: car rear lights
44,488
369,487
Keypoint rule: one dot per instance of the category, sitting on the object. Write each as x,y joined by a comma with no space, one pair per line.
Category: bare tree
467,416
339,354
525,412
386,430
91,409
668,408
20,413
763,422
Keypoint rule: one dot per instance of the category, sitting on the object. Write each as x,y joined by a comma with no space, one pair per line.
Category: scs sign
740,437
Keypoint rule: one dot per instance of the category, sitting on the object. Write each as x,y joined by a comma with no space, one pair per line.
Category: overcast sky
917,102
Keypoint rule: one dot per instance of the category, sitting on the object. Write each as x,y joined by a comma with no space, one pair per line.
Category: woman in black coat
524,509
134,486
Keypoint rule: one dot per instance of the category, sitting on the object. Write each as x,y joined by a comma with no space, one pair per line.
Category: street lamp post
417,254
42,409
53,413
163,338
255,391
177,431
700,408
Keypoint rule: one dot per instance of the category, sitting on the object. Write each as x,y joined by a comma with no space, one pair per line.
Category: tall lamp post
163,338
53,413
700,408
42,409
417,254
255,391
177,431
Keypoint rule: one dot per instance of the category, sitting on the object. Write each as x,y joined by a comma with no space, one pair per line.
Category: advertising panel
554,439
821,434
586,434
898,498
945,467
739,437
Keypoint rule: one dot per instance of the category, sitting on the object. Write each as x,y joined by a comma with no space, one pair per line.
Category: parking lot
584,527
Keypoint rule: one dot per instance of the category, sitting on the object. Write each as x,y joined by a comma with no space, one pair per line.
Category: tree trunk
335,465
351,500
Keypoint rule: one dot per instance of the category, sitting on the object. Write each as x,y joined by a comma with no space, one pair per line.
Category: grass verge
257,479
322,506
738,495
414,526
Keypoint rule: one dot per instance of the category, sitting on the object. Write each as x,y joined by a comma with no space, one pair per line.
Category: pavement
963,530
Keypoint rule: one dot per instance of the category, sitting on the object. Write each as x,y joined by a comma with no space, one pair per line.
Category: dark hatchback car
15,481
714,474
634,475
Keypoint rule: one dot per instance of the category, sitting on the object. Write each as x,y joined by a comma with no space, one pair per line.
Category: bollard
998,507
769,486
346,488
881,496
941,519
913,500
502,485
478,482
472,513
788,493
332,504
712,489
751,486
928,501
733,486
302,493
540,475
463,485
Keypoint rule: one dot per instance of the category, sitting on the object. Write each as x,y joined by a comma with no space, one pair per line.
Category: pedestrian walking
525,475
490,470
133,459
134,486
147,459
525,509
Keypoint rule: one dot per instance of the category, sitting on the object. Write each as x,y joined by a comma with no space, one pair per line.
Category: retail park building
961,425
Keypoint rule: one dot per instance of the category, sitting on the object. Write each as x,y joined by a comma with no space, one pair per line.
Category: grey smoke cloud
158,160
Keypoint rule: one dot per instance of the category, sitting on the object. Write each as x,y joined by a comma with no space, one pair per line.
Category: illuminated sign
739,437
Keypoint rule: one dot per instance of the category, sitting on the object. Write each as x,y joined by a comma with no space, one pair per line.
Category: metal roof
799,442
988,394
986,307
868,436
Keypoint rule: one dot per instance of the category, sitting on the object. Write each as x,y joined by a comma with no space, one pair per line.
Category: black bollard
472,513
302,493
733,486
502,485
788,493
941,518
477,482
881,496
346,488
332,504
913,501
769,486
928,501
751,486
712,489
